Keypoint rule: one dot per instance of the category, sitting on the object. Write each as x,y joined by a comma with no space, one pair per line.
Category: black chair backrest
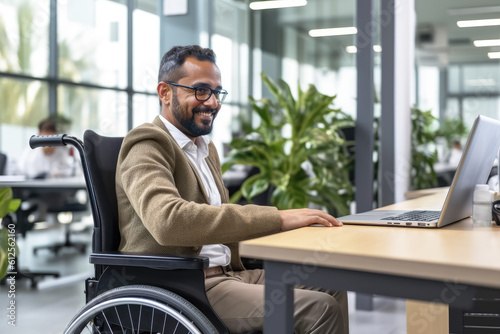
102,155
3,162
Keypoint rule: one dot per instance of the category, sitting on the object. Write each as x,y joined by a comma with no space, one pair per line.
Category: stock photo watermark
10,277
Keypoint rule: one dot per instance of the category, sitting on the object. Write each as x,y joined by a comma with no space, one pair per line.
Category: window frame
54,81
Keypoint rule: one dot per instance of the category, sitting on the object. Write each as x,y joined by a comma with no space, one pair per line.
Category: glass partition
230,40
326,61
457,73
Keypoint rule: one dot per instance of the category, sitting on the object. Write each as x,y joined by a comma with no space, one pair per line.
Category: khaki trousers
238,299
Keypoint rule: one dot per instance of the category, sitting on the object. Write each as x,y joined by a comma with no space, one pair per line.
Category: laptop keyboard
421,216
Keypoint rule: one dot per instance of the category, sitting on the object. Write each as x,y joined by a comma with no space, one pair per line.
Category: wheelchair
131,293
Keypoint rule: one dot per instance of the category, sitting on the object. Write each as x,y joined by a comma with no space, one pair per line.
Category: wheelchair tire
160,311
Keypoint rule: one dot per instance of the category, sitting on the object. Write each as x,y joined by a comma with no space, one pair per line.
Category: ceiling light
333,32
478,23
474,10
354,49
351,49
258,5
494,55
487,42
480,82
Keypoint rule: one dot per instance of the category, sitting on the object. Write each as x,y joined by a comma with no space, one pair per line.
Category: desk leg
364,301
425,317
278,306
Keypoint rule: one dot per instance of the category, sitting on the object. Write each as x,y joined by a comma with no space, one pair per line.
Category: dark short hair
54,123
47,125
172,61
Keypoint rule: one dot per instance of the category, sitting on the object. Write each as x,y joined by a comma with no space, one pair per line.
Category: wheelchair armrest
158,261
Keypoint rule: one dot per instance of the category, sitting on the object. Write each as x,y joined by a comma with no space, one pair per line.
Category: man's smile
206,115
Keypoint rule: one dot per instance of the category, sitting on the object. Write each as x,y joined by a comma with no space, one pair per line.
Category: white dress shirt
34,162
218,254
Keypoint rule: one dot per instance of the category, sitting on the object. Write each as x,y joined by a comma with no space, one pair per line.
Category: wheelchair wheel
139,309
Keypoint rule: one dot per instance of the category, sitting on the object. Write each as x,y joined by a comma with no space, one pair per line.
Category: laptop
474,168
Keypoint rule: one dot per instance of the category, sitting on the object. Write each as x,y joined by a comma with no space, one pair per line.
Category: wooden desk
447,265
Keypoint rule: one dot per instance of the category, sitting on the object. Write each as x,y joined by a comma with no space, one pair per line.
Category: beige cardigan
163,206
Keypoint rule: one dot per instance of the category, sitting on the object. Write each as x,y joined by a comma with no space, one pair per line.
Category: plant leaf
3,252
7,204
254,185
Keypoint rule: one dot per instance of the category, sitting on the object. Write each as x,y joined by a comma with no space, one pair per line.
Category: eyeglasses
204,93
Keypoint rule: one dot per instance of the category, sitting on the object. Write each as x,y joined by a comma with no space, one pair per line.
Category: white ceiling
450,44
457,46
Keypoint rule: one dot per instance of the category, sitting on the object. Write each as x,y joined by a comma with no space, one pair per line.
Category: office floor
50,307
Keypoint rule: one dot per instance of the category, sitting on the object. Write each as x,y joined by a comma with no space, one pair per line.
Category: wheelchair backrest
102,155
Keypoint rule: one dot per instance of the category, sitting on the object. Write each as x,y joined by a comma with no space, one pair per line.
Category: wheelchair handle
53,140
63,140
47,140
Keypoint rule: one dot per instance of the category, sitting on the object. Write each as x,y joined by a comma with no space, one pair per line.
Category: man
171,199
46,162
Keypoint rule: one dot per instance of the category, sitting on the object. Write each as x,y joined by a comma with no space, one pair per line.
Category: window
102,110
146,50
26,103
24,26
92,42
81,70
145,107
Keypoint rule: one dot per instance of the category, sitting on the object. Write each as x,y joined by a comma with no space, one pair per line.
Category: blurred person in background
47,162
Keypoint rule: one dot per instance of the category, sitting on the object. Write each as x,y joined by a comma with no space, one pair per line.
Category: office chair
3,163
153,293
68,204
19,272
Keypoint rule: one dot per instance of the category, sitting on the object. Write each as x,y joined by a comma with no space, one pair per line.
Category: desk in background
448,265
51,184
24,189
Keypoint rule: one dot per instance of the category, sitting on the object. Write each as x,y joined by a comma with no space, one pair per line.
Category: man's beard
189,123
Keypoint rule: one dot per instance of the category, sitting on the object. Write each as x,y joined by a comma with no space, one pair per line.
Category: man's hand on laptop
295,218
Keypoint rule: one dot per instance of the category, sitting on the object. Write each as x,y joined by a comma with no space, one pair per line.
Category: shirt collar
184,141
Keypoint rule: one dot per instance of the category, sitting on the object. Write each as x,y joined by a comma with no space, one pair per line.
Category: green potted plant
426,131
452,130
423,150
299,150
7,242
